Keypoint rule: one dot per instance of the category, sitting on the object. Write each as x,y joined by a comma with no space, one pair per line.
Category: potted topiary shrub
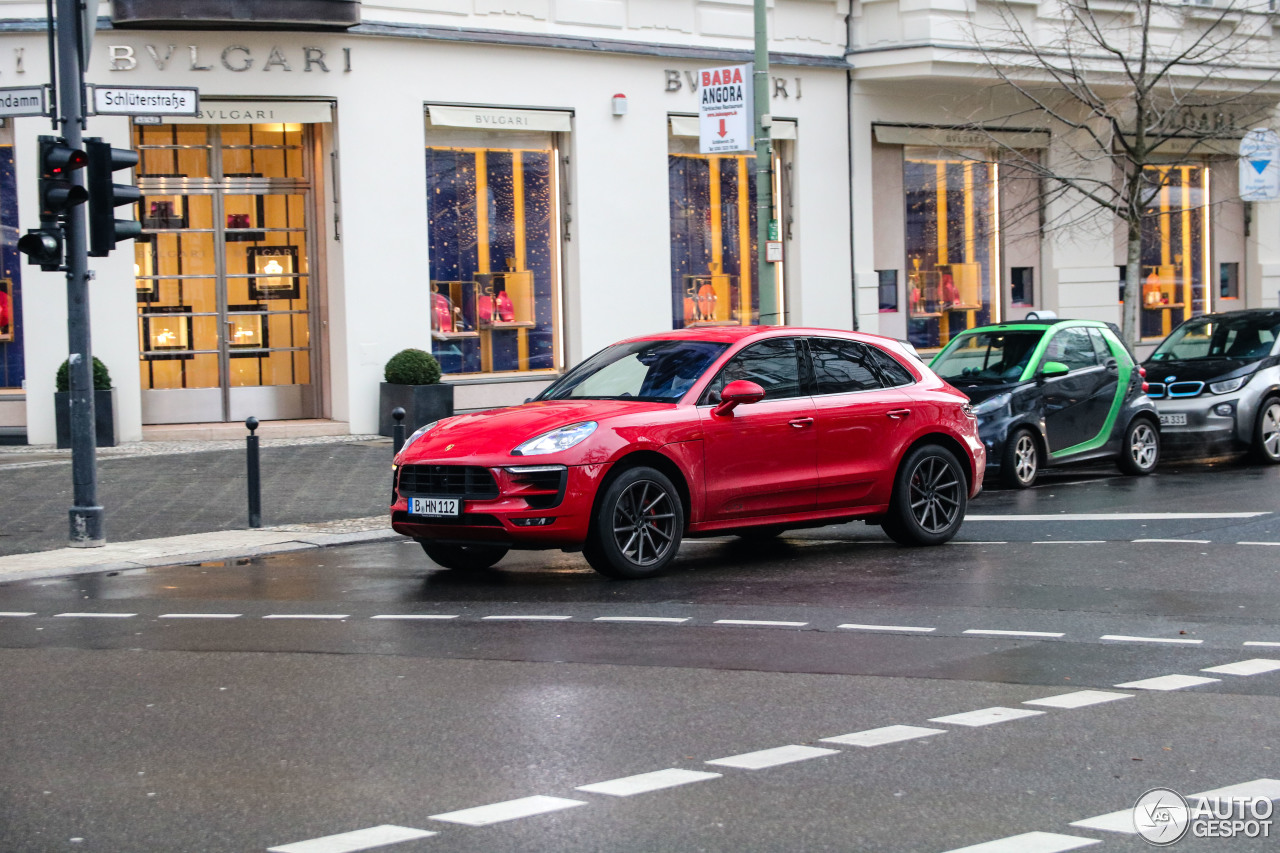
413,384
104,406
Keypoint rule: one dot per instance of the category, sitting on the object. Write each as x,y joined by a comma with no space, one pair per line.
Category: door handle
899,414
801,423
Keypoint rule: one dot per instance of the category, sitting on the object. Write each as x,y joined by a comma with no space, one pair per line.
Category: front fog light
532,522
1224,409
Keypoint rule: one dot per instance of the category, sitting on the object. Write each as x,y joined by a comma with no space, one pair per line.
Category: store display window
1175,247
493,248
952,251
12,364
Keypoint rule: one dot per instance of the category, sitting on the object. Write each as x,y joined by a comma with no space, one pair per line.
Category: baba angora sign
724,109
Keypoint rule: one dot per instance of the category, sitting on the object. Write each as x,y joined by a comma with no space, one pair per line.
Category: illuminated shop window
12,365
493,237
1175,249
952,251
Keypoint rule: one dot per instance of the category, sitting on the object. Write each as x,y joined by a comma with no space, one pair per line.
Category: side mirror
1053,369
736,393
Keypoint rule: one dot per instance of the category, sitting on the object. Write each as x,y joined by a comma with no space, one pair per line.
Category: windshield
988,357
1240,338
658,371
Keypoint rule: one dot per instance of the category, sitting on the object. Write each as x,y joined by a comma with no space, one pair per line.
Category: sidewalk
184,501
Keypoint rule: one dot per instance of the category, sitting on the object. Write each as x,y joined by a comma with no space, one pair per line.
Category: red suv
697,432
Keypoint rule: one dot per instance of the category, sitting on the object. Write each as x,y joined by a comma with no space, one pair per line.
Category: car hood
979,391
1199,370
498,431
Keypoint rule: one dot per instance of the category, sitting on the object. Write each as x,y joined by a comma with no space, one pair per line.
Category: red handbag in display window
506,311
949,292
441,313
484,308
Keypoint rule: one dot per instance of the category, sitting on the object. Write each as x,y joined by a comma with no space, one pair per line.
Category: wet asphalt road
266,704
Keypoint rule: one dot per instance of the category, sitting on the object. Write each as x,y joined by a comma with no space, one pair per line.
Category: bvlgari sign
232,57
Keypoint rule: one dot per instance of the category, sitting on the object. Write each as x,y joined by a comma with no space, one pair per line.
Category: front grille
1155,390
470,482
1185,389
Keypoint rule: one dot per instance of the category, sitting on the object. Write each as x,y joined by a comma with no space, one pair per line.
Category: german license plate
1173,420
448,507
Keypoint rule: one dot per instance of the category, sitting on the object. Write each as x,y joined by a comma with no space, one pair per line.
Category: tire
637,527
464,558
1020,463
1140,452
929,498
1266,432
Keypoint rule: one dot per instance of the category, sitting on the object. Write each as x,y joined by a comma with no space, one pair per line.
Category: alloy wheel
1144,446
1269,430
644,523
1024,458
935,494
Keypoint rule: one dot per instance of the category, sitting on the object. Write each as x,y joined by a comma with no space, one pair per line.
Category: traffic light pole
85,515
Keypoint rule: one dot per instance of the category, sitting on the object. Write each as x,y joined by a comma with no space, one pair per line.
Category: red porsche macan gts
697,432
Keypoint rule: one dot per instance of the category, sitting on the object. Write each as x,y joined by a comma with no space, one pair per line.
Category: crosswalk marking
199,616
1256,666
660,619
1122,821
850,626
1168,682
411,616
643,783
992,632
1122,638
1030,842
95,615
764,622
360,839
1079,699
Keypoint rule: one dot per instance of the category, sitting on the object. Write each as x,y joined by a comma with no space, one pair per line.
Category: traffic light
58,194
104,197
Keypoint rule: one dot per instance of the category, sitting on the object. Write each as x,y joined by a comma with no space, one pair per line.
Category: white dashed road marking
199,616
904,628
991,632
1268,644
421,616
1121,638
95,615
1178,541
1122,821
15,613
986,716
1069,542
509,810
531,618
1168,682
1258,543
761,622
773,757
1079,699
1030,842
1257,666
881,736
661,619
306,616
349,842
643,783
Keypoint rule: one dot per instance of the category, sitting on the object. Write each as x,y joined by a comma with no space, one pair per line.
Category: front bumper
1200,421
497,520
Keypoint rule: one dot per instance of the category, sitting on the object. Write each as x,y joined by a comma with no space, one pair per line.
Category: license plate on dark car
1173,420
447,507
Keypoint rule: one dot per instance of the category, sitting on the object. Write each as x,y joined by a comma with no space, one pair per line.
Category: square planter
422,404
104,418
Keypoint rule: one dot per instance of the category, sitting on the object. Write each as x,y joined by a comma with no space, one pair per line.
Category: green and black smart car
1051,392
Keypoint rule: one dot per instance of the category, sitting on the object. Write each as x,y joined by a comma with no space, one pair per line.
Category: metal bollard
255,476
397,432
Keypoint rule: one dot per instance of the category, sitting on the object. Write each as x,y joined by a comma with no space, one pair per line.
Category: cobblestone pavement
158,489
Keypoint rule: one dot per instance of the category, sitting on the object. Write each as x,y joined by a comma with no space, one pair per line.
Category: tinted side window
1100,346
842,366
770,364
890,368
1073,348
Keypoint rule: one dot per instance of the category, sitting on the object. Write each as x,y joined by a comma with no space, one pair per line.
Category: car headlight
417,434
1226,386
556,440
992,404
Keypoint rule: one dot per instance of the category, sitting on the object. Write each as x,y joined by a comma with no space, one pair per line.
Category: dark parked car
1216,382
1051,392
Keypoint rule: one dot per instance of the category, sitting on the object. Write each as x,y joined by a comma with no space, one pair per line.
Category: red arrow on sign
723,132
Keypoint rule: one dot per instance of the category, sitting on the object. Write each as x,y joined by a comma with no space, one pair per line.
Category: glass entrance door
223,271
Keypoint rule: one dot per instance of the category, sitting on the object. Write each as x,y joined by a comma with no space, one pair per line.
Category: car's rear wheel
1020,462
637,527
1141,449
929,498
1266,433
466,558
